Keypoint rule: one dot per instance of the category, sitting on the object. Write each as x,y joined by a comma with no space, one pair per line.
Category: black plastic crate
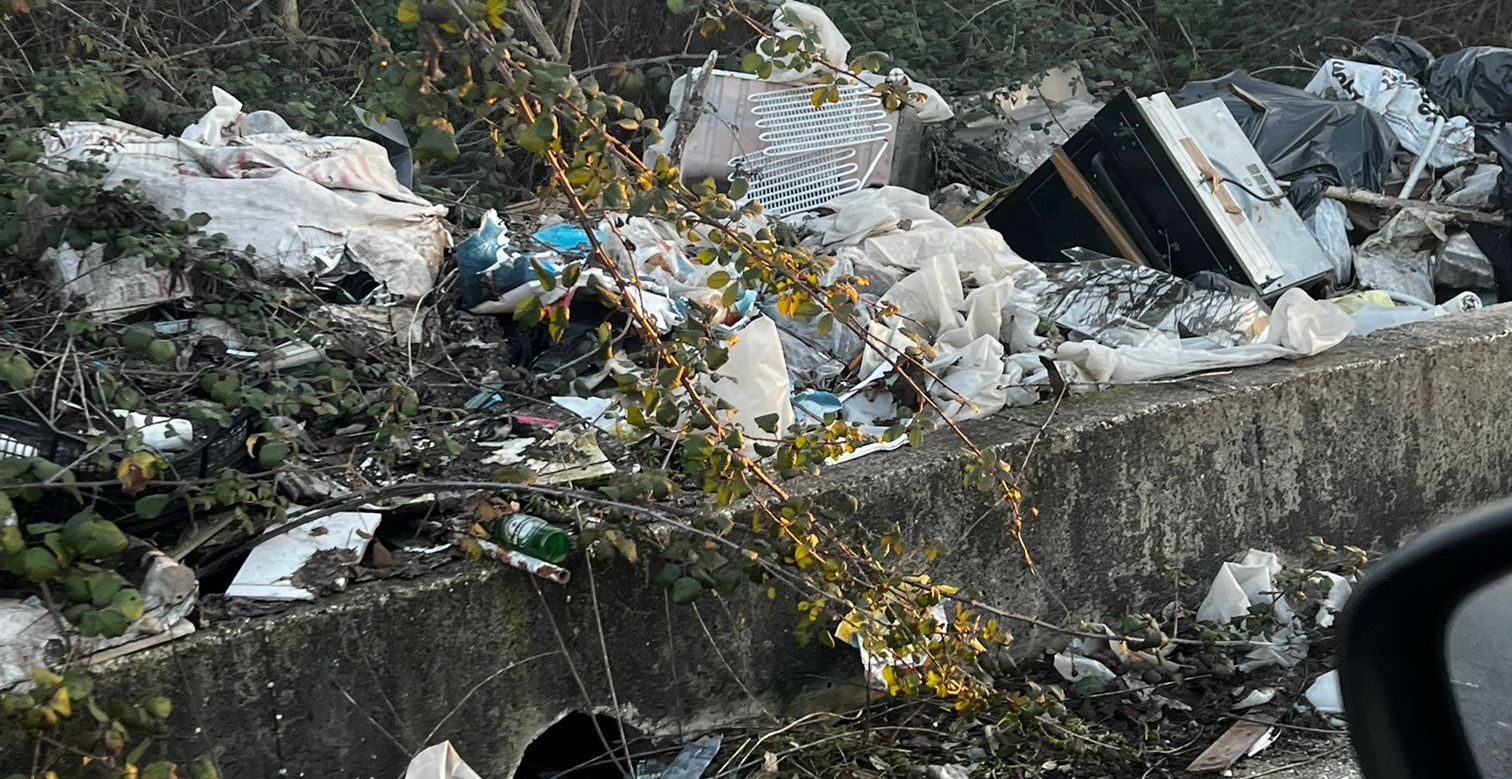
220,449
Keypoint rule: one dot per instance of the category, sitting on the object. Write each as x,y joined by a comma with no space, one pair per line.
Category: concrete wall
1365,444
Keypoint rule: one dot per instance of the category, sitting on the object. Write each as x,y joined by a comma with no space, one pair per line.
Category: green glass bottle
533,536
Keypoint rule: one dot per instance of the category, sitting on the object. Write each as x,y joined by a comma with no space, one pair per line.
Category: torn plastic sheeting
1241,585
799,20
691,763
1469,187
1299,134
270,569
1462,265
1404,105
1118,302
1396,51
1476,82
754,379
391,134
1399,256
1329,224
303,203
440,761
564,237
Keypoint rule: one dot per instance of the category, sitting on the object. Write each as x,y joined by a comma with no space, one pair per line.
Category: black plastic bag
1396,51
1474,82
1298,134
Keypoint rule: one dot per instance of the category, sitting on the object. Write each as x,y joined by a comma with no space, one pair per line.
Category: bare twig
530,16
692,110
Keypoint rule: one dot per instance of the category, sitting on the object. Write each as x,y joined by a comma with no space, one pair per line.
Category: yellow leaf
408,12
136,470
60,703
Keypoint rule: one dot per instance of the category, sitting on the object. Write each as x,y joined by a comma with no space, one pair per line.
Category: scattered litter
295,564
1240,586
1078,670
568,456
1243,738
1258,697
30,635
1324,694
691,763
440,761
520,560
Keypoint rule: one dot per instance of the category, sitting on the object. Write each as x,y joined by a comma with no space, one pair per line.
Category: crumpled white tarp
1404,105
305,204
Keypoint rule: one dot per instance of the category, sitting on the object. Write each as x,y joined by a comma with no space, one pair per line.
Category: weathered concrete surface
1365,444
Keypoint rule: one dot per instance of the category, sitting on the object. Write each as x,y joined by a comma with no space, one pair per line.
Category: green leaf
273,454
767,422
686,590
739,187
719,279
16,371
751,62
152,506
161,351
437,142
677,6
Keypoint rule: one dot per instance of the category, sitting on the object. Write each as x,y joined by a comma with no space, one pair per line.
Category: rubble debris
273,570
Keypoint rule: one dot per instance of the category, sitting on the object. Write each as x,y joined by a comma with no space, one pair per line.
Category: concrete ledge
1366,444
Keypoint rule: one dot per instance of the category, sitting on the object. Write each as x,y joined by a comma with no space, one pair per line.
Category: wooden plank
1088,197
1229,747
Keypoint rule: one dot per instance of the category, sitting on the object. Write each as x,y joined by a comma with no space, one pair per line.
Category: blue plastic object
487,267
564,237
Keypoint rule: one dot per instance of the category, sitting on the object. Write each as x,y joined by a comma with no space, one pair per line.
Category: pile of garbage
1232,223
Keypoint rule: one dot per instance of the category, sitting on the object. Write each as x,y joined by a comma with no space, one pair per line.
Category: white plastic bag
1404,105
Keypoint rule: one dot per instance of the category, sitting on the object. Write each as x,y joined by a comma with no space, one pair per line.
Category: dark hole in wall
572,749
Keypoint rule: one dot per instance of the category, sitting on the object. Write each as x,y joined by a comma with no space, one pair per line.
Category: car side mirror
1426,662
